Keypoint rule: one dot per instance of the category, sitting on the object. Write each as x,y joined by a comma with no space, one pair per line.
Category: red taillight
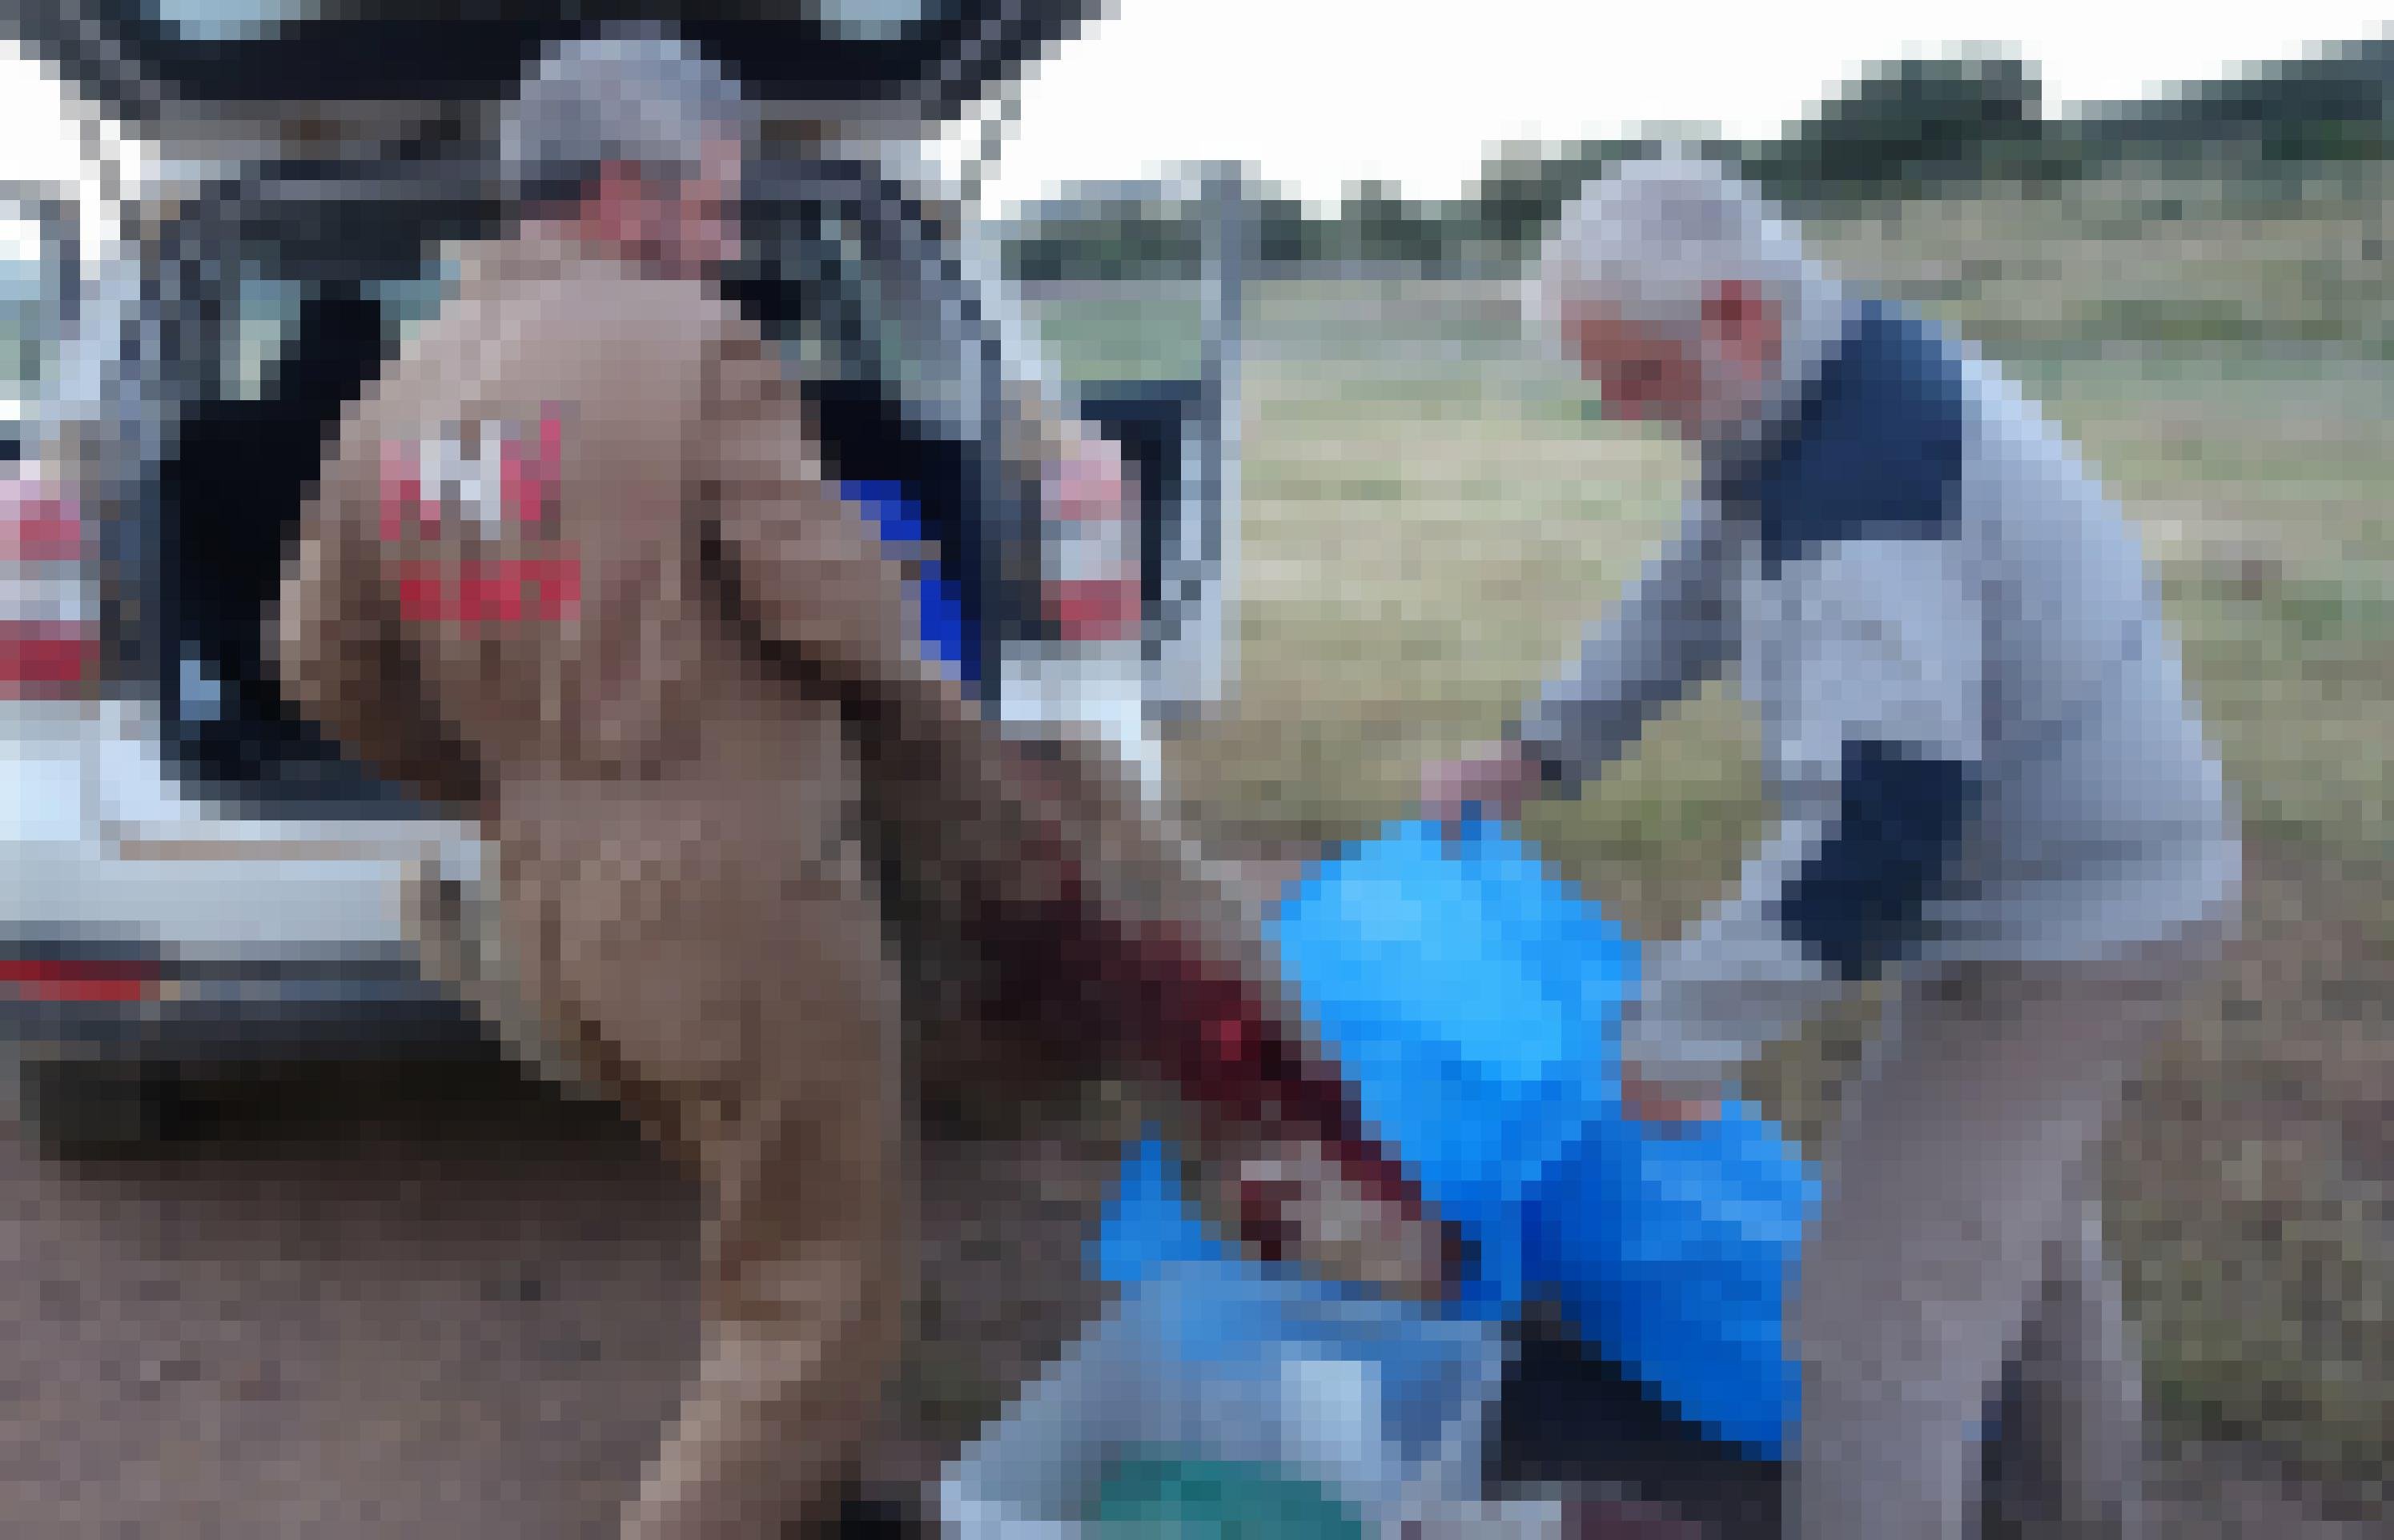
1091,578
50,642
1093,592
1094,611
54,981
45,531
41,659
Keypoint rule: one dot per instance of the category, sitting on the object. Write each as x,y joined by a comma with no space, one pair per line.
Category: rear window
272,247
846,269
263,317
866,284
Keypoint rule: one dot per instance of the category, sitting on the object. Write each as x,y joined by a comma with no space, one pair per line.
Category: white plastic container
1380,1404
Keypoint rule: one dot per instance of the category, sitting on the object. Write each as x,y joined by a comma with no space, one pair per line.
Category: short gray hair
635,95
1652,238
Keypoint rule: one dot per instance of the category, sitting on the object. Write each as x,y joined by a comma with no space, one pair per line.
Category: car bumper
348,1011
1101,693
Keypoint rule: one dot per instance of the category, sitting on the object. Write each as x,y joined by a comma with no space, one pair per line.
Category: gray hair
1652,238
636,96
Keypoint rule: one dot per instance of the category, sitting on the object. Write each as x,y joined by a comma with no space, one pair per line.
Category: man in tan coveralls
573,573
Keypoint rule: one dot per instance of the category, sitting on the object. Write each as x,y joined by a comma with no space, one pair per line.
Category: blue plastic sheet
1471,997
1148,1228
1672,1253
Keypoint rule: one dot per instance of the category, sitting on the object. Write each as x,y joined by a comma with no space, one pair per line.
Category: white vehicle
193,875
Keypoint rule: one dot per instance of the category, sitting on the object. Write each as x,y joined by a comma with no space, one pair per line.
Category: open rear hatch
370,88
188,65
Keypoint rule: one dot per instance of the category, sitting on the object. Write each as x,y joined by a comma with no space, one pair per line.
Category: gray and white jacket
1976,727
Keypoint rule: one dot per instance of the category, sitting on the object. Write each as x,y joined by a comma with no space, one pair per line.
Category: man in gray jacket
1995,795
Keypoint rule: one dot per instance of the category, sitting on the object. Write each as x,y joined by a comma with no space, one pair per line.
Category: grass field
1431,515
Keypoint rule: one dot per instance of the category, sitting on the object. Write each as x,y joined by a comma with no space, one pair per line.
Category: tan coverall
573,573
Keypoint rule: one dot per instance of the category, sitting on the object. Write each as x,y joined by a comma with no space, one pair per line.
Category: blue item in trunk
1470,995
899,522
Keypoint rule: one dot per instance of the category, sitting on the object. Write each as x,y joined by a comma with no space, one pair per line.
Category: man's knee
1875,1316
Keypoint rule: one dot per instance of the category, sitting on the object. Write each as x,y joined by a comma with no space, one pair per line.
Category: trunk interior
332,268
272,354
313,311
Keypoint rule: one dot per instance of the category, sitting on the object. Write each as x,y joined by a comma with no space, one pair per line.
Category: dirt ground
387,1303
384,1303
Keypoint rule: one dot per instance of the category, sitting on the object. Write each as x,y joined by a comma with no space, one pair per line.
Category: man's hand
1664,1109
1499,779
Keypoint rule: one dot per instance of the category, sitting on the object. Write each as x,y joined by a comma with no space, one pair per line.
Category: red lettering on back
421,585
402,492
509,482
548,463
547,589
529,467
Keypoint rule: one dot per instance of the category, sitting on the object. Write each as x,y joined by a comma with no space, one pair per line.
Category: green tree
1905,123
1381,226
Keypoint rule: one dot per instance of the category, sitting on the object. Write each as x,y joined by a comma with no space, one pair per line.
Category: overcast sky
1322,93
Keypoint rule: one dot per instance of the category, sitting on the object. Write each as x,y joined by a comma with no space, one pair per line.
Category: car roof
152,61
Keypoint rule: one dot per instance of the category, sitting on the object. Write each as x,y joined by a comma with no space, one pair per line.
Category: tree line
1903,128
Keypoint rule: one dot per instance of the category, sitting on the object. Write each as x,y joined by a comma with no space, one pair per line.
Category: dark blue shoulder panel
1874,451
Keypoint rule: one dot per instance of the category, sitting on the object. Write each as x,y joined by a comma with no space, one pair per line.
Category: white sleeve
1880,680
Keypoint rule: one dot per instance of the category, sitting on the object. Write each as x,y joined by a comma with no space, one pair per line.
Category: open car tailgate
155,61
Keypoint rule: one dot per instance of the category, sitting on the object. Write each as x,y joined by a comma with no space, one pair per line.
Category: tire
80,1108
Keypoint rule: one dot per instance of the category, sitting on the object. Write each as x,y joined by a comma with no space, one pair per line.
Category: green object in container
1164,1497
